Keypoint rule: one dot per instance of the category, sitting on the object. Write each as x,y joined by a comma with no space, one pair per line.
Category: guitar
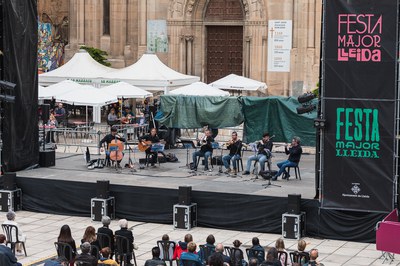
144,145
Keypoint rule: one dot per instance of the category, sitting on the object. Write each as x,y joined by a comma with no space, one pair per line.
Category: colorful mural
50,53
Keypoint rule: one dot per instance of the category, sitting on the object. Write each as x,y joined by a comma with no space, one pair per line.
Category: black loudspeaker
10,181
102,189
47,158
294,201
185,195
45,112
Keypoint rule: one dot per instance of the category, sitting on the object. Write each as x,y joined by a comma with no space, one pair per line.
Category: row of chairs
236,254
123,254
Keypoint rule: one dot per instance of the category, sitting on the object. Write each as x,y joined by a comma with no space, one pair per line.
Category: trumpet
230,142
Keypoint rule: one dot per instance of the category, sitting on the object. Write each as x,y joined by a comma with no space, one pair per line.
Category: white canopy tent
199,89
125,90
87,95
53,91
82,68
150,73
239,83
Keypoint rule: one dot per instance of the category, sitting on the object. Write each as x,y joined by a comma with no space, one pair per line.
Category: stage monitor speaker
47,158
294,201
10,181
185,195
45,112
102,189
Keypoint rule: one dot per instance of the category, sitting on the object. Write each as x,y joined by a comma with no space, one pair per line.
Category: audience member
21,236
254,262
191,255
155,261
90,236
165,238
216,259
313,259
220,249
182,246
8,255
112,118
301,245
105,220
66,237
237,258
60,261
272,258
209,245
280,246
105,257
257,251
85,257
123,224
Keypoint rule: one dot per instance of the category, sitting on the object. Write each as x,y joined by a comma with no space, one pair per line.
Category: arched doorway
224,38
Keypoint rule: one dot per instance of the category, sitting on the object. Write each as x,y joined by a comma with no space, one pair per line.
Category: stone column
189,54
117,32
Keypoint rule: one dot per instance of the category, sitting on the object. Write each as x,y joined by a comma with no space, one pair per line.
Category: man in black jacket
85,256
235,150
155,261
105,220
294,152
264,149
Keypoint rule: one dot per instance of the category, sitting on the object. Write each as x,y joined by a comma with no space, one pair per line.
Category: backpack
171,158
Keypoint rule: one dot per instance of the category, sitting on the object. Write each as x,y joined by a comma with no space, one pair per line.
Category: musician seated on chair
108,139
146,141
21,236
205,151
264,148
234,146
294,151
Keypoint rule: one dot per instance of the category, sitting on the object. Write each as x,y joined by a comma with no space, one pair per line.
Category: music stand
187,144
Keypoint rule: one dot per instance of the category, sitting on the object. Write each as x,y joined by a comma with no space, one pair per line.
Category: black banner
358,101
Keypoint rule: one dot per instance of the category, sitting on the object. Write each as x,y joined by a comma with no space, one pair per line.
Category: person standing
294,151
264,148
235,148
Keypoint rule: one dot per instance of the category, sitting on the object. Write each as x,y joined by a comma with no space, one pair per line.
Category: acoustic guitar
144,145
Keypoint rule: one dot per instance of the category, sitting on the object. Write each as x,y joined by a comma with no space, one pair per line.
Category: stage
224,201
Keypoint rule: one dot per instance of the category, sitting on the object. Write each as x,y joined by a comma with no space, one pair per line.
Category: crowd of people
112,250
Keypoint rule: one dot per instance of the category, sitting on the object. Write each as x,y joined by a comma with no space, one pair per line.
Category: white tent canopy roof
81,68
87,95
125,90
235,82
199,89
150,72
57,89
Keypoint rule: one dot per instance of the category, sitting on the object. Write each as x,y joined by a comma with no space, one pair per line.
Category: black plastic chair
105,241
299,257
284,255
64,250
10,231
255,253
123,253
206,252
296,171
95,251
236,257
227,251
167,249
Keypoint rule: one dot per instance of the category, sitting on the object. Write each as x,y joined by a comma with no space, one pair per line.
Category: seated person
220,249
147,141
65,236
112,118
294,151
182,246
155,261
205,151
108,139
272,258
9,257
235,148
21,236
209,245
105,257
85,256
191,255
105,220
125,232
90,237
264,148
257,247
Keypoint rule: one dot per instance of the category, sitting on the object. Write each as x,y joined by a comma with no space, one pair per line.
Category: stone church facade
206,38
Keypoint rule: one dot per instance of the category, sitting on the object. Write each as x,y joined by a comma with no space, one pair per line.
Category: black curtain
19,125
